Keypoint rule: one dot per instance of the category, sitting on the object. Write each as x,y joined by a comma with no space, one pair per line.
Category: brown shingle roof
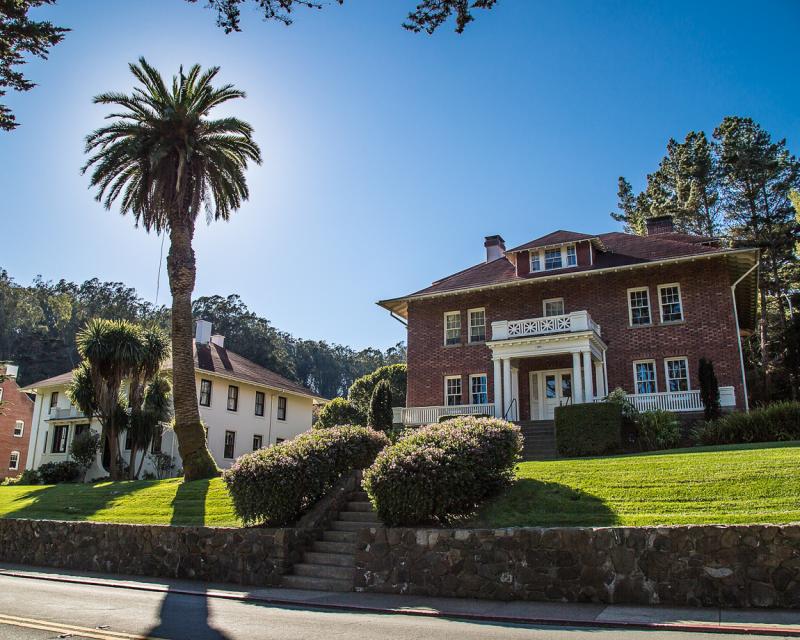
557,237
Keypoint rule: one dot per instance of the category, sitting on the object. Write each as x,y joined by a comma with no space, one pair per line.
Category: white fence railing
679,401
567,323
428,415
69,413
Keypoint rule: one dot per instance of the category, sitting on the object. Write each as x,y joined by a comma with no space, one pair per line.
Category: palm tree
166,160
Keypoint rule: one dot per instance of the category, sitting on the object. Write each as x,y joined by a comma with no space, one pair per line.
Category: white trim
661,305
544,306
469,324
460,389
636,379
228,398
445,316
738,332
16,466
486,384
666,373
630,308
22,428
210,393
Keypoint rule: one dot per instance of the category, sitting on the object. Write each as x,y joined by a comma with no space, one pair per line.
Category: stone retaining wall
729,566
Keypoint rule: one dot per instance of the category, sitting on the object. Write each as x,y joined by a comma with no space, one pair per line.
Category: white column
506,386
587,377
577,381
598,376
498,388
514,415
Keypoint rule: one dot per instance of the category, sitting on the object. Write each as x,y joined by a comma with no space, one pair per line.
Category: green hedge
778,421
337,412
588,429
55,472
275,485
442,471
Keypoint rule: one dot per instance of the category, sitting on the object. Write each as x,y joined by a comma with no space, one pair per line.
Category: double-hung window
60,432
205,393
230,444
677,373
477,325
158,439
258,442
639,306
553,307
281,408
552,259
19,428
452,391
53,400
259,403
669,296
13,463
572,255
478,393
233,398
452,327
645,376
536,264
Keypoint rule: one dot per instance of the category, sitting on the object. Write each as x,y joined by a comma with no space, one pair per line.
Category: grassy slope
142,502
730,484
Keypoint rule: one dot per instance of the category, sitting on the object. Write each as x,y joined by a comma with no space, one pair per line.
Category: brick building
569,316
16,416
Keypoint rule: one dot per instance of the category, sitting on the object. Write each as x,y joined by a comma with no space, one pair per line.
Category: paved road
39,609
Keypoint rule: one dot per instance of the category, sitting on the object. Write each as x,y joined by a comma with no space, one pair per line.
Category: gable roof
551,239
218,361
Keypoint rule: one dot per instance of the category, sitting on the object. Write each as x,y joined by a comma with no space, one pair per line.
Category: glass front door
555,389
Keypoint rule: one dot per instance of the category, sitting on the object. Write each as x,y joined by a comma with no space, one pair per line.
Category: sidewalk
754,621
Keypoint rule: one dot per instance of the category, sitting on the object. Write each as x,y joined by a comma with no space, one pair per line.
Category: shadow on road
184,617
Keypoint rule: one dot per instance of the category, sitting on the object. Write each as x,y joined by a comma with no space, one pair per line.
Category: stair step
359,505
359,496
344,535
323,571
331,559
324,546
358,516
349,525
316,584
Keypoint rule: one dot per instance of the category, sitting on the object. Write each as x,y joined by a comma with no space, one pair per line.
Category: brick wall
16,406
708,329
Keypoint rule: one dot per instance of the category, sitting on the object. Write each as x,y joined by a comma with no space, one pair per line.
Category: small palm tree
165,159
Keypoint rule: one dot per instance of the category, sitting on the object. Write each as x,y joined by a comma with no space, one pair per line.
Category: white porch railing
568,323
678,401
429,415
69,413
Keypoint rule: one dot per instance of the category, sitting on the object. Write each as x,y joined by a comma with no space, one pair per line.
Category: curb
758,630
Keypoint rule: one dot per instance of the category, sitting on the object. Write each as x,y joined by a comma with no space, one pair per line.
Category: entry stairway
330,563
539,439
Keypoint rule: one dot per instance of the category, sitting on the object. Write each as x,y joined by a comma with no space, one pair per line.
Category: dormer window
536,265
552,259
572,256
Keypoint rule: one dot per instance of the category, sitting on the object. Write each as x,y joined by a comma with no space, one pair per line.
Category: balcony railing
677,401
429,415
574,322
68,413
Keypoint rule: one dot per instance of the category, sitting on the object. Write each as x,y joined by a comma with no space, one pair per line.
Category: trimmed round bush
274,486
443,471
55,472
337,412
775,422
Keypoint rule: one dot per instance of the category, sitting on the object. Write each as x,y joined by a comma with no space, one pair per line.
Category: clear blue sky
388,155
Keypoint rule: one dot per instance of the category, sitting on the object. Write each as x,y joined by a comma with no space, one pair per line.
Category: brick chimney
495,248
660,224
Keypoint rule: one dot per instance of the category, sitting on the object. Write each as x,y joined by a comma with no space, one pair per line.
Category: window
230,442
478,393
233,398
128,440
677,372
60,432
205,393
259,403
279,440
80,429
572,256
54,400
13,463
645,376
536,264
452,327
1,394
552,259
477,325
19,428
639,306
158,438
258,442
670,298
554,307
452,390
281,408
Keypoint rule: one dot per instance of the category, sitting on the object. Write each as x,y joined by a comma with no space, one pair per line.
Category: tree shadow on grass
189,504
533,503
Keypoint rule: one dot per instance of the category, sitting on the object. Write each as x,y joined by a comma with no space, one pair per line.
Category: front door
549,389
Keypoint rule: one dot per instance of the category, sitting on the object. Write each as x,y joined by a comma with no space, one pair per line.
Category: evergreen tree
633,209
380,407
709,389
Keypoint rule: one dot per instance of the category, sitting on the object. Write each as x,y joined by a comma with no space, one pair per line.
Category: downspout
399,319
738,335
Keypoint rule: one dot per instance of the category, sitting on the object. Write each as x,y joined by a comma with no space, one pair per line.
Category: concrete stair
539,439
328,565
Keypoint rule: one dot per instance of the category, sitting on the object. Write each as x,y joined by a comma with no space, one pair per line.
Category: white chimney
495,248
202,332
10,370
218,340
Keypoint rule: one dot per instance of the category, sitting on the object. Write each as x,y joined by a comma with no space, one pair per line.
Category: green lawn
203,502
758,483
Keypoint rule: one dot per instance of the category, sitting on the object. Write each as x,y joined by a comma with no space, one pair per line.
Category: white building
244,406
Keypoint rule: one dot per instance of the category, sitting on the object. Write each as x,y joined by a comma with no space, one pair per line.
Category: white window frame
537,256
544,306
567,255
448,314
225,445
560,251
469,324
630,306
210,392
53,405
666,372
661,304
19,425
474,376
15,467
235,398
263,404
285,400
258,435
537,259
460,391
636,378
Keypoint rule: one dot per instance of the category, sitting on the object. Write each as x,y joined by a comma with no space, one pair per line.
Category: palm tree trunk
192,446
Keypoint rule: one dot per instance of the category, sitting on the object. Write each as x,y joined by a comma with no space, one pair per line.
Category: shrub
453,416
29,476
275,485
55,472
360,392
380,407
339,411
709,389
778,421
84,449
658,429
588,429
442,471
